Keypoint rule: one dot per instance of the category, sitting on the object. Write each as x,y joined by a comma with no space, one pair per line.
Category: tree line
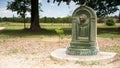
103,7
67,19
42,20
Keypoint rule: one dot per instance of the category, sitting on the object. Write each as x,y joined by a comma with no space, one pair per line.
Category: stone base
60,54
82,52
83,48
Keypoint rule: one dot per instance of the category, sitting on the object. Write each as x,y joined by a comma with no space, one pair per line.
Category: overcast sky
49,9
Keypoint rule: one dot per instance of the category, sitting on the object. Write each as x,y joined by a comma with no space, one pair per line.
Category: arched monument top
81,9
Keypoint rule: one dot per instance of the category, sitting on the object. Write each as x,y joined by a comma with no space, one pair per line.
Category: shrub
60,32
110,22
100,20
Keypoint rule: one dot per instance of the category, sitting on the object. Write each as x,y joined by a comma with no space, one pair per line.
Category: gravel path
1,28
35,53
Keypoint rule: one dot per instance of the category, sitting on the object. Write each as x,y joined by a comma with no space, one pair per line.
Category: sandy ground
35,53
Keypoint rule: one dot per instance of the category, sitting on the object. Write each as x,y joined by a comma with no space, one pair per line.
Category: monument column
84,32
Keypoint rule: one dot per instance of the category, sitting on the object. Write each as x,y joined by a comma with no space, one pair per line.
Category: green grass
81,63
105,26
87,63
17,30
25,33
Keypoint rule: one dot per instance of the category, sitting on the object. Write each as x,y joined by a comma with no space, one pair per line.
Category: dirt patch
35,53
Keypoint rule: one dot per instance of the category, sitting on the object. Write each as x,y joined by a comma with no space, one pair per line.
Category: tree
21,6
103,7
34,16
119,16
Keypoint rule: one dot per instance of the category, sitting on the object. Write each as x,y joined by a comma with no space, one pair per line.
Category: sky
49,9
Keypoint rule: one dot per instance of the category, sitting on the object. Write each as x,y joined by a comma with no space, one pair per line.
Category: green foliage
21,6
56,20
103,7
43,20
14,19
100,20
110,22
60,32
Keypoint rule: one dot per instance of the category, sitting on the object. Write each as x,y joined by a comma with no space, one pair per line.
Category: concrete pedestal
104,57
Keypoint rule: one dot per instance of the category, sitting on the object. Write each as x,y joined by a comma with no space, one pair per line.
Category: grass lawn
17,30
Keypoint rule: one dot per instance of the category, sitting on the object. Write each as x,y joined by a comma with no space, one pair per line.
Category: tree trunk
24,22
119,15
24,15
34,16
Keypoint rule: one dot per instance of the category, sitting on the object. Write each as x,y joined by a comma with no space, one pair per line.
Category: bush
110,22
100,20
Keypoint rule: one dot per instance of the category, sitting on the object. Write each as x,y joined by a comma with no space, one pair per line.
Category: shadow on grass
99,30
50,32
108,30
26,33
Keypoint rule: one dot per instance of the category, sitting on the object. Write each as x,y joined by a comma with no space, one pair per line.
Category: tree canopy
103,7
20,6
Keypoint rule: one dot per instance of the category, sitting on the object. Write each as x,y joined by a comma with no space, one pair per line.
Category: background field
17,30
